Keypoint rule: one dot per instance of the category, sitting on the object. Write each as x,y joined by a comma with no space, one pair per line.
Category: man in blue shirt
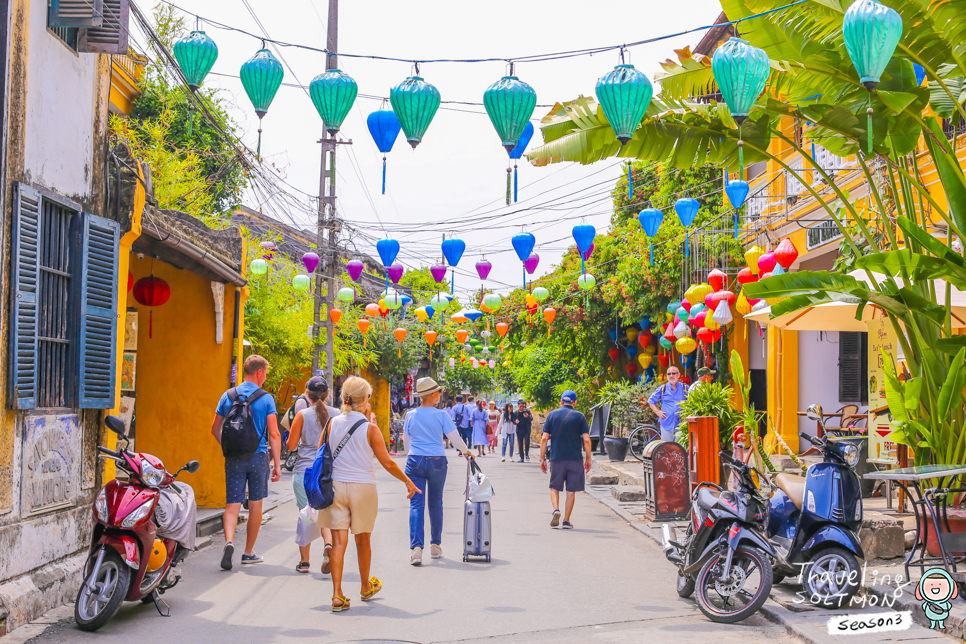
252,472
567,429
669,396
461,418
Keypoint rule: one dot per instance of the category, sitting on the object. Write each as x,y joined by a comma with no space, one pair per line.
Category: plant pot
957,524
616,448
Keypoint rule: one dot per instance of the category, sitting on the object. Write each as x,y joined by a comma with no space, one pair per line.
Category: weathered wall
379,401
181,374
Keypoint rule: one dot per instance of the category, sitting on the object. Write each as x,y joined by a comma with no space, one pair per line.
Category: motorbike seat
793,486
707,497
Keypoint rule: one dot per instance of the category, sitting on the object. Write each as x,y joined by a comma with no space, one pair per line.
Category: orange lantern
364,328
335,315
400,336
549,314
462,335
372,309
502,328
431,339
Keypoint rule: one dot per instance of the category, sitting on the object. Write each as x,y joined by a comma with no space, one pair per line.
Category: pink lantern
310,260
438,272
709,301
728,296
395,272
483,268
531,263
766,264
685,305
354,268
699,318
745,276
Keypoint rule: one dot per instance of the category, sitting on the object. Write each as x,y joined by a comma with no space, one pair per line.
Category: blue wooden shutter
111,36
75,13
97,302
23,297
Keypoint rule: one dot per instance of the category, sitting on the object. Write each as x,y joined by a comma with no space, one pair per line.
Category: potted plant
627,411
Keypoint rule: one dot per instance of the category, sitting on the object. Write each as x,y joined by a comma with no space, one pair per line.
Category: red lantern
151,291
717,278
685,305
614,353
724,295
704,335
665,360
786,253
686,380
745,276
645,338
631,369
716,335
669,334
130,281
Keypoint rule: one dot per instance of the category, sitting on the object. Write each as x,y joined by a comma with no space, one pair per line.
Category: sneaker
326,563
504,460
252,559
436,551
227,555
555,519
567,525
417,557
528,459
520,461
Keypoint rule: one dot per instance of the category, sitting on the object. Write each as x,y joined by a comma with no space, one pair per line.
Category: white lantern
722,314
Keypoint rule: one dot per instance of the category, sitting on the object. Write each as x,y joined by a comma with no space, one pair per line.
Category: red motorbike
128,559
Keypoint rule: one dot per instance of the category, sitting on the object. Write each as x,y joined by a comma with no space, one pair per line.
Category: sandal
344,606
303,567
374,587
326,564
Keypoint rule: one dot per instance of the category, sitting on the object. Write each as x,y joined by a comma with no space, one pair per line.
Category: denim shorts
252,471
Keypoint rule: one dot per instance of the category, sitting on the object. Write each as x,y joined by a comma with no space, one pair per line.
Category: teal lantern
196,53
415,103
872,31
333,93
261,77
741,71
625,94
509,102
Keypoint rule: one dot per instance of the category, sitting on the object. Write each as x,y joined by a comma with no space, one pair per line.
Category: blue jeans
508,439
429,475
466,433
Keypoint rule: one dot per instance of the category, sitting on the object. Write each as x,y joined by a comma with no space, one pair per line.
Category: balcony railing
132,64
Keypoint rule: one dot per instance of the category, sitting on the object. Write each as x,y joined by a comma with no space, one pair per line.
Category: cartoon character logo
936,591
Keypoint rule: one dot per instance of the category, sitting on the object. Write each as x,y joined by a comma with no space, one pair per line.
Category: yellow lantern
751,258
421,314
531,301
686,345
690,295
710,324
742,305
650,349
631,334
645,360
701,291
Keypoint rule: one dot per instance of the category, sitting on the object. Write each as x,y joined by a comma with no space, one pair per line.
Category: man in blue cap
567,430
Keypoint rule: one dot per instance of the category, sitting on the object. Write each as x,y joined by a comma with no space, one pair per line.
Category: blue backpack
318,478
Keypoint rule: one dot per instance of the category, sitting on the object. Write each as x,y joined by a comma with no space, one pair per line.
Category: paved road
602,581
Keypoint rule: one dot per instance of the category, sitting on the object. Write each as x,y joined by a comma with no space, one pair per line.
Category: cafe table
930,500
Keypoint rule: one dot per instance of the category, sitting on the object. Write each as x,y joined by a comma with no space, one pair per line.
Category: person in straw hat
426,465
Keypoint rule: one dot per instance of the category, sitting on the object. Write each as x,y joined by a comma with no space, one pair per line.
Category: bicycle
638,439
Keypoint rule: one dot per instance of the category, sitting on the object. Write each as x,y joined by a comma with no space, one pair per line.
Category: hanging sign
882,337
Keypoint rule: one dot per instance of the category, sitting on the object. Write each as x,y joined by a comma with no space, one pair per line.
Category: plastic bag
480,489
307,529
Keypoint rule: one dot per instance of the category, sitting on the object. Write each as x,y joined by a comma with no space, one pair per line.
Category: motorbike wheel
93,609
291,460
685,585
729,602
832,579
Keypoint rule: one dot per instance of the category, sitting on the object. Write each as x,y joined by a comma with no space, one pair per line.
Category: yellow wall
181,374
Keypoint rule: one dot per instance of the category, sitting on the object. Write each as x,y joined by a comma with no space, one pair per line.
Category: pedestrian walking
355,501
479,417
508,430
523,419
426,465
669,396
250,472
568,430
492,425
304,437
462,418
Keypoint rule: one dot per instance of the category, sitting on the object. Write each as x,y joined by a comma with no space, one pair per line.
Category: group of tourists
564,453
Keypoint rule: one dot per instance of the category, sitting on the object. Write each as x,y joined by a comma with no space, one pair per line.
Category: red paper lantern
704,335
151,291
614,353
717,278
745,276
786,253
766,263
685,305
631,369
716,335
645,338
130,281
686,380
723,295
665,360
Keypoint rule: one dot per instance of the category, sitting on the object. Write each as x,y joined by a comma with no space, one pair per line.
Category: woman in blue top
423,433
479,418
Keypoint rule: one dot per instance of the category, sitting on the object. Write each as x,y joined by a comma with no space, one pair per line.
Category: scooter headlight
137,516
151,475
100,505
851,454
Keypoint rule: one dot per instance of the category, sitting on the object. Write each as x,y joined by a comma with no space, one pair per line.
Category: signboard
51,462
882,337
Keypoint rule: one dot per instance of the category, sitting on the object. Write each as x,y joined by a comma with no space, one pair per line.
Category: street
602,580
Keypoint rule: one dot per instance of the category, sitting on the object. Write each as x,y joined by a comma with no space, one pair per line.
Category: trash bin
667,495
704,444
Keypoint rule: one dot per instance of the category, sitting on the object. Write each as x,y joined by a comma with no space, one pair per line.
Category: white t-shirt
354,464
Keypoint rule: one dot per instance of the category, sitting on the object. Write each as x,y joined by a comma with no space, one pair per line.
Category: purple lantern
585,256
438,272
395,272
311,260
354,269
531,263
483,268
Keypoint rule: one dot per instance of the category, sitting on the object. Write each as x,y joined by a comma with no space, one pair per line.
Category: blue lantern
737,191
453,250
388,249
523,245
384,127
430,311
406,300
650,219
631,351
584,236
687,209
473,314
871,31
613,335
515,154
645,323
687,361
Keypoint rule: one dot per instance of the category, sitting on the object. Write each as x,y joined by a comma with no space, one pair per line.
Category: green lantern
509,102
541,294
586,281
872,31
301,282
625,94
346,294
196,54
415,103
259,266
741,71
261,77
333,93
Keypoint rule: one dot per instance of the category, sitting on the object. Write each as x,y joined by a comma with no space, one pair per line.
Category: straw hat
426,386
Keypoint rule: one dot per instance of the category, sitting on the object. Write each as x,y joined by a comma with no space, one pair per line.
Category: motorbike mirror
192,467
814,412
115,424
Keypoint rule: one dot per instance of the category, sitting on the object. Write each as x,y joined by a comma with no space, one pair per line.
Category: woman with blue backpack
355,500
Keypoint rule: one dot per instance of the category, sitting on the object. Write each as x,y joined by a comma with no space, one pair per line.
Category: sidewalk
879,594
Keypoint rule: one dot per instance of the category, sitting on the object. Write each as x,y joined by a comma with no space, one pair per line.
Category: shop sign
51,463
882,338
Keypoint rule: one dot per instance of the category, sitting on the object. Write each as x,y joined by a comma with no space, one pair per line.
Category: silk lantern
584,236
430,339
335,315
644,338
196,54
631,351
614,353
624,94
737,191
523,244
333,92
421,314
515,154
717,279
766,263
395,272
586,282
415,103
631,369
644,360
372,309
685,345
541,294
549,314
301,282
346,294
742,305
751,258
384,128
786,253
509,103
664,360
631,333
722,314
687,209
261,76
462,335
745,276
151,291
740,71
492,301
363,324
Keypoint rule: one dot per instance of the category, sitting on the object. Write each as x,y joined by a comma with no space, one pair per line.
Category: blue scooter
814,521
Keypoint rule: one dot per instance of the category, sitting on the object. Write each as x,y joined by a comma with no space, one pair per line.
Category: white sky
460,167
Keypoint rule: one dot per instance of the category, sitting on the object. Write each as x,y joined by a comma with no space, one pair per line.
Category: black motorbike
725,554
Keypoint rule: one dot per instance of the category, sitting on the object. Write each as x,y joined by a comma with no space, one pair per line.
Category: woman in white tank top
355,498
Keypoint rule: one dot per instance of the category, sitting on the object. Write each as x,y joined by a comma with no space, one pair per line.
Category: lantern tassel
150,324
650,258
383,175
364,345
868,116
258,150
630,184
687,244
508,186
400,350
514,183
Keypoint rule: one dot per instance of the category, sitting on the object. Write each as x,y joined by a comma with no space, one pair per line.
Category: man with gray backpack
246,425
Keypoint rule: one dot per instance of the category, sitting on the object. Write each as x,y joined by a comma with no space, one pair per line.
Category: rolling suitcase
476,524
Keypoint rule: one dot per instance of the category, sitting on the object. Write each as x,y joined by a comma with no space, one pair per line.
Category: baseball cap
706,371
317,384
569,396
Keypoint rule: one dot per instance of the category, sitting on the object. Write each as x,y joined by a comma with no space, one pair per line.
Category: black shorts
569,472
